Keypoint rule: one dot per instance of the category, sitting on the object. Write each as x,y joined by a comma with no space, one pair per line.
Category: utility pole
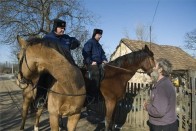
150,36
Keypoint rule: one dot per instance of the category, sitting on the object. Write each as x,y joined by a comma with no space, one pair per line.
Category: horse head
27,71
148,63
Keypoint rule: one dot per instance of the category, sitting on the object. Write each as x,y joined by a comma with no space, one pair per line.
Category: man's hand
145,105
104,62
94,63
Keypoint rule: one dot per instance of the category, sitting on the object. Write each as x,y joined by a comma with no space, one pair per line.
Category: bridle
151,66
24,80
141,72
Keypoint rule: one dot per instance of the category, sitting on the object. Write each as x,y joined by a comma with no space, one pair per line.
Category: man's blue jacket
65,41
93,51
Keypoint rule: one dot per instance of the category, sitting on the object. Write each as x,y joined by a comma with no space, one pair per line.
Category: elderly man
162,104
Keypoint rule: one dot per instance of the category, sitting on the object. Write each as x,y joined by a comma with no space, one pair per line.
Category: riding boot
95,81
42,86
94,109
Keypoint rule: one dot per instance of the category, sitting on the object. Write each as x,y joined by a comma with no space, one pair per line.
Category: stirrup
40,103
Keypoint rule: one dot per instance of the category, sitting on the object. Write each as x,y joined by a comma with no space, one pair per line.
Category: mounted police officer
94,57
66,43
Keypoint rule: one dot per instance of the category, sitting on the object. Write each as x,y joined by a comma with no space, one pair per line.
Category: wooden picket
138,117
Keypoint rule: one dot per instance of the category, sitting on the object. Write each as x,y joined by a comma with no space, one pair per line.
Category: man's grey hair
165,65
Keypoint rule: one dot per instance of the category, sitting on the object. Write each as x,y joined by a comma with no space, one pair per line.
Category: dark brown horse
118,73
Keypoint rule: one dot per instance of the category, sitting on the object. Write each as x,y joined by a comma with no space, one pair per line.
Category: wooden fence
186,102
138,117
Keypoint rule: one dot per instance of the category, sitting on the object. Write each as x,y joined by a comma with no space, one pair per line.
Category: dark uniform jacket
93,51
65,41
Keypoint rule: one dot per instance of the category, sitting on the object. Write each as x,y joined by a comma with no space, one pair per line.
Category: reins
141,72
118,67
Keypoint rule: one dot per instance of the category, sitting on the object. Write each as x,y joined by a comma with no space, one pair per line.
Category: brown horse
118,73
67,94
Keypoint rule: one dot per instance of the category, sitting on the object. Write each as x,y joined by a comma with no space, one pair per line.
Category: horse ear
146,48
21,41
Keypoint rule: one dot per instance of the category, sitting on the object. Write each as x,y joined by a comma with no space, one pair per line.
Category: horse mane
133,57
52,44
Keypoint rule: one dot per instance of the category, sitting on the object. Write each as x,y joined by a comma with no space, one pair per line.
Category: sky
172,20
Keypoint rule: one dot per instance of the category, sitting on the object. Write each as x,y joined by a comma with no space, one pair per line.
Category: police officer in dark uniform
94,59
57,35
94,56
66,42
93,52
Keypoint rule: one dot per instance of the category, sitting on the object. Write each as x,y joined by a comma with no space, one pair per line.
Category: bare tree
126,34
77,53
35,18
190,39
141,33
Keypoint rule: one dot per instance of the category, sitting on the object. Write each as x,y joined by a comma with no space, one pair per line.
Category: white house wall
120,51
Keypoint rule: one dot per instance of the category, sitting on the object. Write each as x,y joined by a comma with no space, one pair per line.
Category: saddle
95,71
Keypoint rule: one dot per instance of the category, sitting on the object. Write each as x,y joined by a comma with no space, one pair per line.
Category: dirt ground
10,111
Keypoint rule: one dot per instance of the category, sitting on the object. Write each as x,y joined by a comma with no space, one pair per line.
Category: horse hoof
36,128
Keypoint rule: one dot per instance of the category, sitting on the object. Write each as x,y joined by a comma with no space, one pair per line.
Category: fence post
192,75
141,105
187,111
194,104
147,95
180,112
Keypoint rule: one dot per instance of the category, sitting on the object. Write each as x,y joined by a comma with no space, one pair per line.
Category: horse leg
54,121
72,122
38,114
25,107
110,105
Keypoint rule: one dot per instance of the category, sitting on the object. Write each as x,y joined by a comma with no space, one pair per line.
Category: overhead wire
155,12
153,20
